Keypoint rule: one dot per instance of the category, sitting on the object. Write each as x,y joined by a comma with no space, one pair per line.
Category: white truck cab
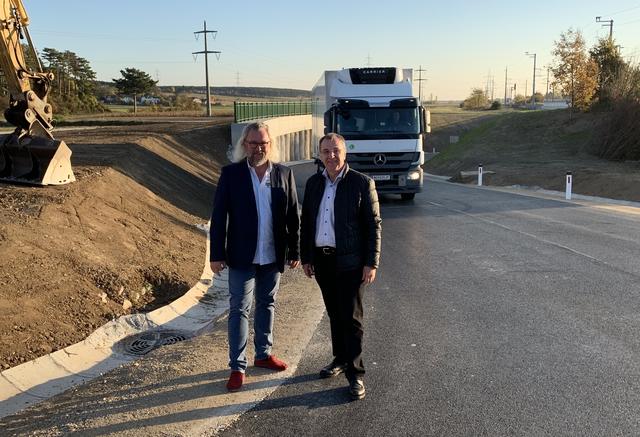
383,124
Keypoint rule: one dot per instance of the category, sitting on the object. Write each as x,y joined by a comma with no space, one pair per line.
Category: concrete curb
49,375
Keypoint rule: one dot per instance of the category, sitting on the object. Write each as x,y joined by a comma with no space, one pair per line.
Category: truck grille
388,162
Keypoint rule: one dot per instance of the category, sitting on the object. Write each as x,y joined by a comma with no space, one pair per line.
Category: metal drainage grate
142,344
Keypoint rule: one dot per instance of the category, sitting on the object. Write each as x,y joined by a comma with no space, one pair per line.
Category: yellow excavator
30,154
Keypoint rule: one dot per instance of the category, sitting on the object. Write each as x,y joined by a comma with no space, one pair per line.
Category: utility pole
420,79
493,86
206,61
533,92
487,84
368,60
545,96
505,85
609,24
237,78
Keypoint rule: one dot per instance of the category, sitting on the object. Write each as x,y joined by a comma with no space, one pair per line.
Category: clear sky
287,44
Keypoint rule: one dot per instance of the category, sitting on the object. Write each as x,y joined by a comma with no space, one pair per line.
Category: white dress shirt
325,222
265,248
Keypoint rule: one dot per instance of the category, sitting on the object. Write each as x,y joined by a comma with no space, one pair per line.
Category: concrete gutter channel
131,386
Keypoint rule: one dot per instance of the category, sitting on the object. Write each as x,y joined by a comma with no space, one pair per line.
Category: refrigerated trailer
382,121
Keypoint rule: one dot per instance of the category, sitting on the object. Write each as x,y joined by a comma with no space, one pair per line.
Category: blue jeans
264,281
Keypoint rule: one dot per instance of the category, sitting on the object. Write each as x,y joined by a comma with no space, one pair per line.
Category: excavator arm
30,154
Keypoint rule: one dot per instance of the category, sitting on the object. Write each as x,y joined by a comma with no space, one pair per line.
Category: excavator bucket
35,160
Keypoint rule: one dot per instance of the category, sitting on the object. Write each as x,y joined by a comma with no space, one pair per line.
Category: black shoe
356,388
333,369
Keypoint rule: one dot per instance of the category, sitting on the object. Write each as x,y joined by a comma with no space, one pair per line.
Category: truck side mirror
425,120
328,121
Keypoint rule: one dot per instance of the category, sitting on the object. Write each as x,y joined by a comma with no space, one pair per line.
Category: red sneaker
236,379
272,363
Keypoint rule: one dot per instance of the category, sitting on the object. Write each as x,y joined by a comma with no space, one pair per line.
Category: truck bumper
398,183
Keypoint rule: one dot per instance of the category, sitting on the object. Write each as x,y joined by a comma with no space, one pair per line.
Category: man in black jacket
254,229
340,245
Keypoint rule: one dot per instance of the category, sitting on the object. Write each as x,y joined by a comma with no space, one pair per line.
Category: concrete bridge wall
291,135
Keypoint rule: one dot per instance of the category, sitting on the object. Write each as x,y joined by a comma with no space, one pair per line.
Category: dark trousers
342,293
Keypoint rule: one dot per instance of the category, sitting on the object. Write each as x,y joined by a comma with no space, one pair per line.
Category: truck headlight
413,175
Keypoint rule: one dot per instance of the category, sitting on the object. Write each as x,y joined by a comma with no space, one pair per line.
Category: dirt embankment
534,149
121,239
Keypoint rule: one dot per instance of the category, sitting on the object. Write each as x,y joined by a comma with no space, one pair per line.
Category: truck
381,120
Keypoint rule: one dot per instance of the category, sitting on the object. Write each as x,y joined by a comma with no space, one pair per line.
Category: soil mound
122,239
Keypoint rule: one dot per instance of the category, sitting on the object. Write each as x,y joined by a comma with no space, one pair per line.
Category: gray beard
256,162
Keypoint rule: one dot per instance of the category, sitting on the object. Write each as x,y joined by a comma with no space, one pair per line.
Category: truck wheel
408,196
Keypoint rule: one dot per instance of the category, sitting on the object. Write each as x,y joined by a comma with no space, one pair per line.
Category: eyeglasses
255,144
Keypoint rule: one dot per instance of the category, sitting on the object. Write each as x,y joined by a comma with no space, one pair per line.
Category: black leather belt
326,250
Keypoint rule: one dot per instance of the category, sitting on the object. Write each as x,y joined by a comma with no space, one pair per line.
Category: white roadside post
567,194
480,175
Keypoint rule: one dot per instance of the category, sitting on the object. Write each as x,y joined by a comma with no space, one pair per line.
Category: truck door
329,120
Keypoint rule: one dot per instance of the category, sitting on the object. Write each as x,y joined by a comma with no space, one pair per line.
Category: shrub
619,132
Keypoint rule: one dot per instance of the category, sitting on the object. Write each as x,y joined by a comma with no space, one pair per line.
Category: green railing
244,111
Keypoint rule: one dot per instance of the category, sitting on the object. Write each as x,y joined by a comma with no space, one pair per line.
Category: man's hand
308,270
293,263
368,275
218,266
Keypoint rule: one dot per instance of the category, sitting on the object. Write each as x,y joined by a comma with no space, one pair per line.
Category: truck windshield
378,122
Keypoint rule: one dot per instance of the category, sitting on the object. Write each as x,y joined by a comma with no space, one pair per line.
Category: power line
628,22
625,10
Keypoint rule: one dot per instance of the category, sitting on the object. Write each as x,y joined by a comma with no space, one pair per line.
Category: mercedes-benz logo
379,159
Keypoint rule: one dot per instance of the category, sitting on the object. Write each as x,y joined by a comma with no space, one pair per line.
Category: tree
74,84
519,100
477,100
618,135
610,64
574,71
538,97
184,102
134,82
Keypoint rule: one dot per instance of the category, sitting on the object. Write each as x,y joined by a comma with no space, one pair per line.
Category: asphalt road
493,314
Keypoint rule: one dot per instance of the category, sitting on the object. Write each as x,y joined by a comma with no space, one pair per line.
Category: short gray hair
333,136
238,149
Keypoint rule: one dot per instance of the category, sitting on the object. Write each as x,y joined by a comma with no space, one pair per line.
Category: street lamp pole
533,91
609,24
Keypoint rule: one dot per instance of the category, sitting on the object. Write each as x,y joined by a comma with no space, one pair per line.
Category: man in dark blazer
340,245
254,230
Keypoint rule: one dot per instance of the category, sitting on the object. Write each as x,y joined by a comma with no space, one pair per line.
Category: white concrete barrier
291,134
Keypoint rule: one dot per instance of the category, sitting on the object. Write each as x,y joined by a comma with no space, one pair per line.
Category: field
222,107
